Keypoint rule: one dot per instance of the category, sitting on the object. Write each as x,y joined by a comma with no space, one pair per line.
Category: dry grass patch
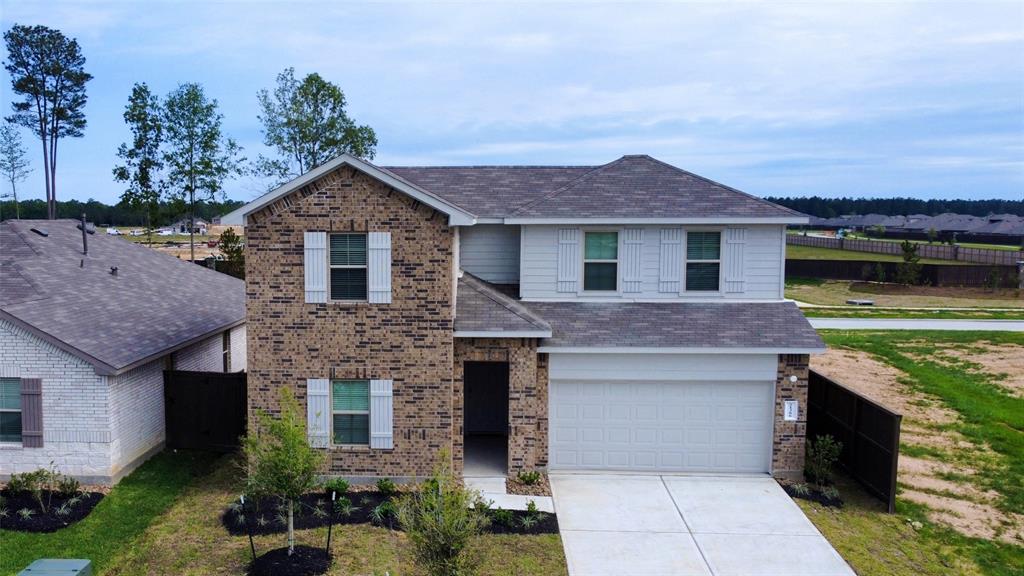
837,292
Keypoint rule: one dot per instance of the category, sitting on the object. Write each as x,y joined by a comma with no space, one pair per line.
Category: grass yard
795,252
116,523
165,519
837,292
871,312
961,455
937,243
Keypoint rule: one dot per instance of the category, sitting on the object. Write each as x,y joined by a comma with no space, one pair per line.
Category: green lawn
165,519
987,416
870,312
117,521
795,252
964,244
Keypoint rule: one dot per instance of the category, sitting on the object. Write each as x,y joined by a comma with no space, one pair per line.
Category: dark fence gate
204,410
869,432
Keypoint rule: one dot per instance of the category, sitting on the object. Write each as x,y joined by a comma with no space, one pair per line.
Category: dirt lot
837,292
939,467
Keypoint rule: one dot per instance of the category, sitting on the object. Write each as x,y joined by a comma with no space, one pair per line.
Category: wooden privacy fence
204,410
931,274
870,434
937,251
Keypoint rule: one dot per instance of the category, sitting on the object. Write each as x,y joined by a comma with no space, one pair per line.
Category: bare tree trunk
53,174
192,225
46,171
291,528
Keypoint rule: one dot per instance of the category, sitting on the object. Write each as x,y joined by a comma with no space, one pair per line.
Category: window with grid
348,266
350,411
10,410
703,261
601,261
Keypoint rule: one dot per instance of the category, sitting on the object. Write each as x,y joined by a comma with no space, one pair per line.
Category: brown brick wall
527,403
408,341
788,440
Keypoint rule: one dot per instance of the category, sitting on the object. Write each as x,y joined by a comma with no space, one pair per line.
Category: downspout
456,269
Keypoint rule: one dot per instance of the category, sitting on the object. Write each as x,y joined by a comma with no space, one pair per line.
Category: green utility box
58,567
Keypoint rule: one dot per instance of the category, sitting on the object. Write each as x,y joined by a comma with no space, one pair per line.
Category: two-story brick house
628,316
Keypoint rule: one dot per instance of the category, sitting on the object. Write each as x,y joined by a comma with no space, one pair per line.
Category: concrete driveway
622,525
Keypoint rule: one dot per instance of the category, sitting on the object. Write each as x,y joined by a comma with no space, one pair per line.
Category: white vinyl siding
490,252
763,256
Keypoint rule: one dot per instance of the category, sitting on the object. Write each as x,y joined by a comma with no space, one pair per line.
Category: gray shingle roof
775,325
642,187
490,191
154,304
631,187
481,307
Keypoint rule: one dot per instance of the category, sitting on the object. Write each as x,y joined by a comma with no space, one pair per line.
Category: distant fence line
932,274
936,251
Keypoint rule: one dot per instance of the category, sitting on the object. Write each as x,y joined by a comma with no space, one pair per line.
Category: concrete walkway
626,525
918,324
493,489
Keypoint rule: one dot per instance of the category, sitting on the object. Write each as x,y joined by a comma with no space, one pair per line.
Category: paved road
922,324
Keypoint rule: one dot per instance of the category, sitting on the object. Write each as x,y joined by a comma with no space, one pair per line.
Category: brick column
788,437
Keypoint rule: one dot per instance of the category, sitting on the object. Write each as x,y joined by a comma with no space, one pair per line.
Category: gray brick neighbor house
628,316
85,337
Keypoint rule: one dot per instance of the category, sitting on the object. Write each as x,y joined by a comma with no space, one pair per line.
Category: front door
486,398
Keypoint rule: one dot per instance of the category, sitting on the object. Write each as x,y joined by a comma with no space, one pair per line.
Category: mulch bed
269,516
304,561
51,521
814,495
541,488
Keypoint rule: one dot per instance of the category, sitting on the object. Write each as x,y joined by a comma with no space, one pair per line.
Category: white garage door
682,426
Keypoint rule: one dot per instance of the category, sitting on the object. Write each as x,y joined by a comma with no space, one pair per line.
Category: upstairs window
348,266
601,261
10,410
703,261
350,411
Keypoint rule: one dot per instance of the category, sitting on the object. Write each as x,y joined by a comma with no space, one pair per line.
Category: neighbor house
628,316
87,328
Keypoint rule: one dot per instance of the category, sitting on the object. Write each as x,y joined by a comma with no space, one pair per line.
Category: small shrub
383,513
504,517
528,477
19,483
822,454
63,510
442,523
879,272
337,485
344,507
387,487
26,513
68,486
528,522
830,492
319,511
802,490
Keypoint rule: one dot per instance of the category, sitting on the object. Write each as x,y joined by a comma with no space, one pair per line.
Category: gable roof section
483,311
154,305
644,189
457,216
491,191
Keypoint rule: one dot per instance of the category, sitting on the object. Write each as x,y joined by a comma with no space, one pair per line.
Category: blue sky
862,99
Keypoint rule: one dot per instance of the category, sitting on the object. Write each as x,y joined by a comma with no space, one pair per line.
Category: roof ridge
503,300
503,166
716,183
596,170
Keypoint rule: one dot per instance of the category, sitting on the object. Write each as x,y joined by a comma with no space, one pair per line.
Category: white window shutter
568,259
315,264
381,415
378,265
670,261
732,259
632,250
318,411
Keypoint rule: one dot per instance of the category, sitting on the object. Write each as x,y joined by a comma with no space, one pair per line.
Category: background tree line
832,207
119,214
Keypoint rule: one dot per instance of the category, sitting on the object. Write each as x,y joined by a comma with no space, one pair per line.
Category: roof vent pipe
113,270
85,239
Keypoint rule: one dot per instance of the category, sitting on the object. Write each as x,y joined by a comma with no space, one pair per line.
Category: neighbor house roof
155,304
632,188
685,326
482,310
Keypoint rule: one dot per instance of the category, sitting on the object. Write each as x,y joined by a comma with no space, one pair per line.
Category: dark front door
486,397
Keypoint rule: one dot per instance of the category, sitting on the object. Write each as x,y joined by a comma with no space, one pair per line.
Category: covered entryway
656,413
485,419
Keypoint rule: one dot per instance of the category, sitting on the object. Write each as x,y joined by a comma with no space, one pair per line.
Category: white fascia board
456,215
503,334
670,300
701,221
677,350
